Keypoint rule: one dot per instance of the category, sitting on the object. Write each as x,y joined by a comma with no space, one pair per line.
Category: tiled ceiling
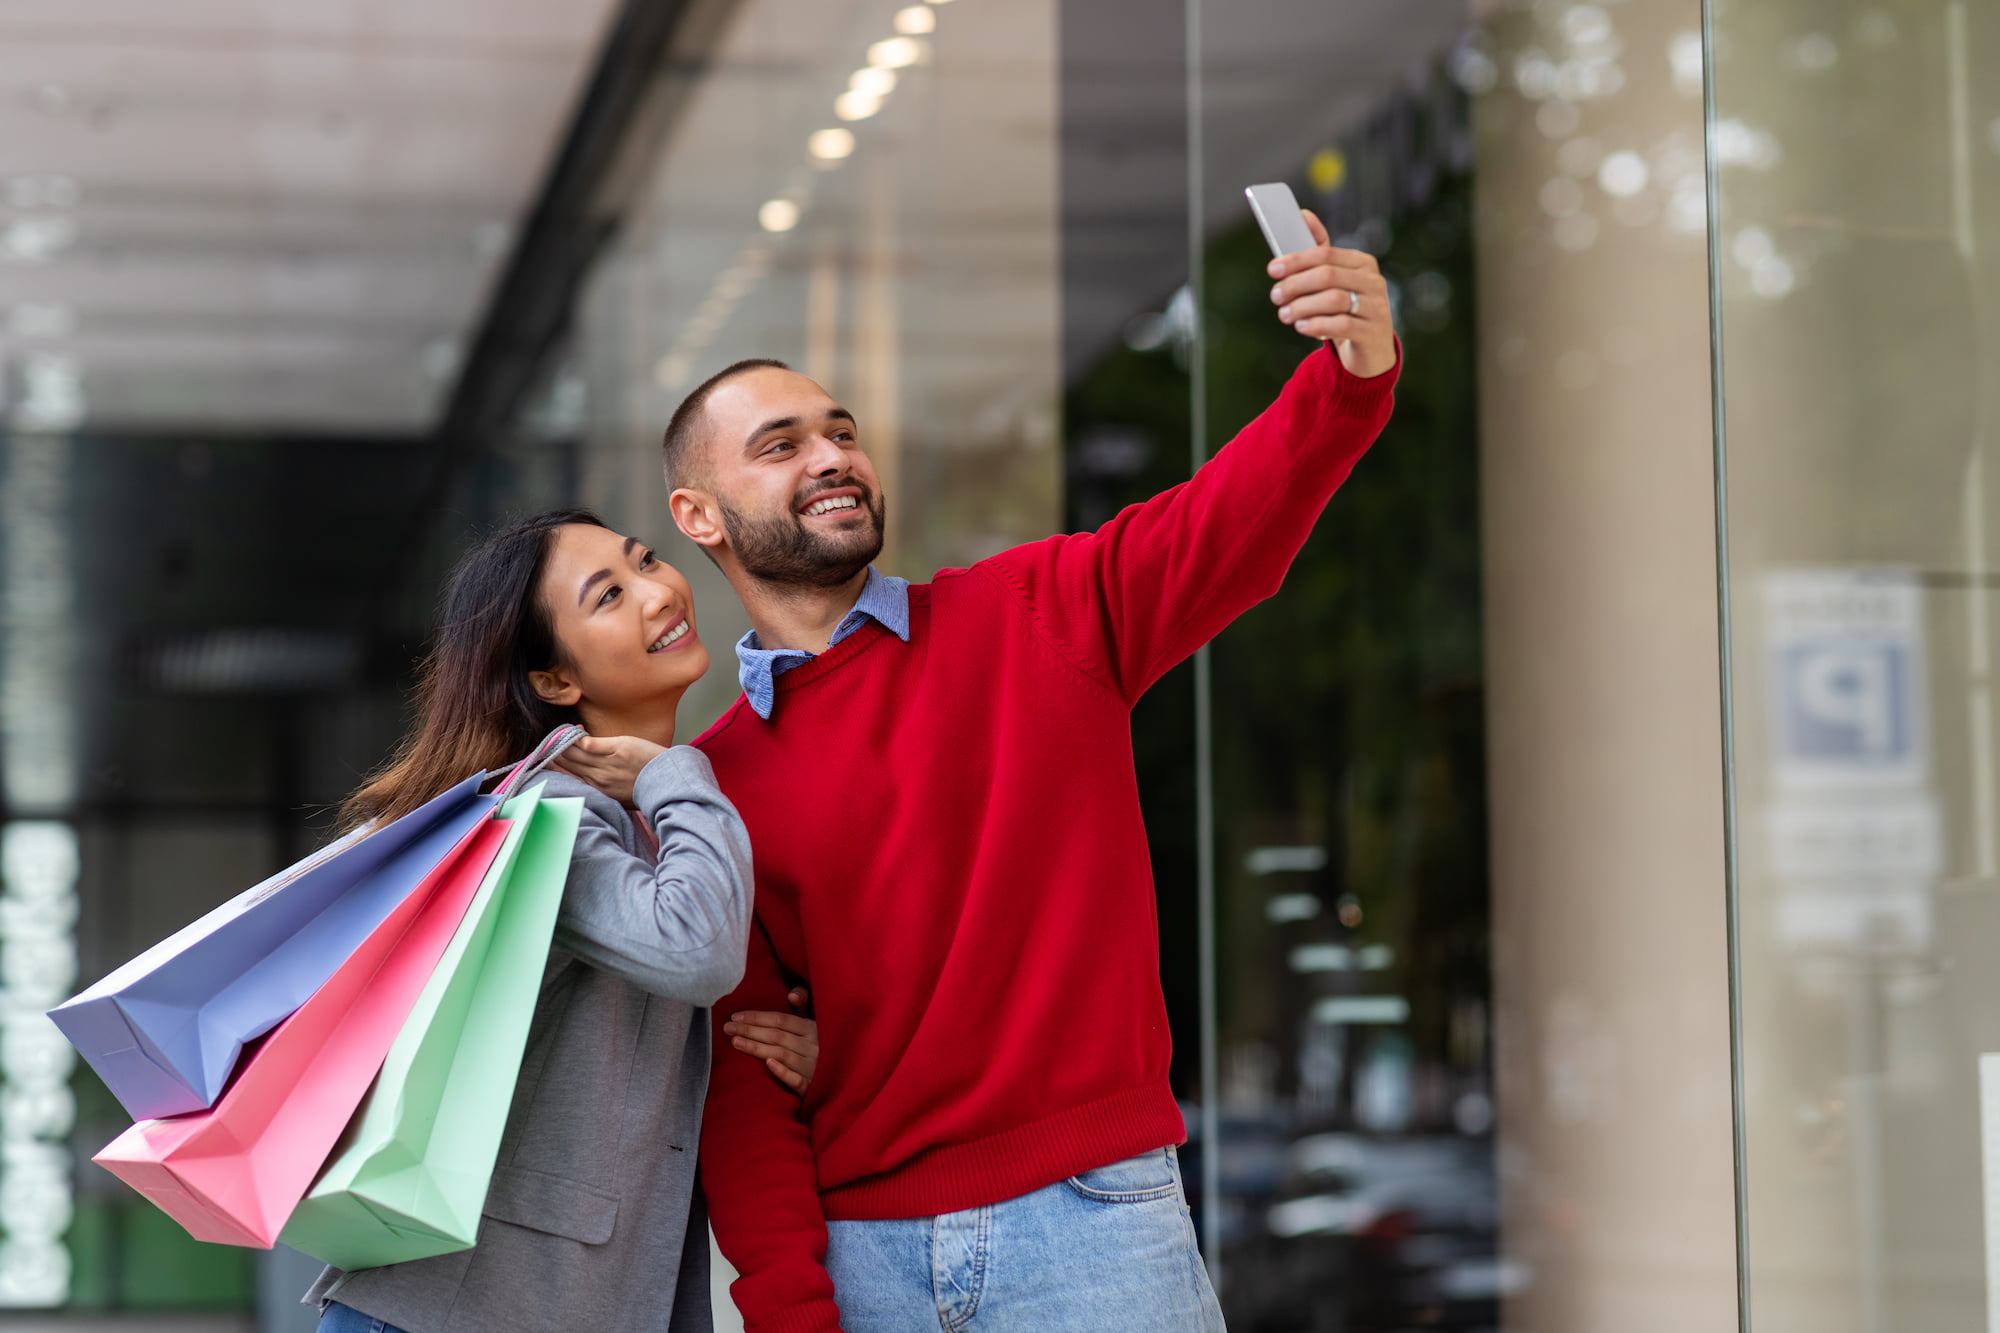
265,215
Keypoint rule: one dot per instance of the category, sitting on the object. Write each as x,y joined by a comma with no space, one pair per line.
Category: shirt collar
884,599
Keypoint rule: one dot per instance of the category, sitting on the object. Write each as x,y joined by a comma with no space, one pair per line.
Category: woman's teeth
817,508
671,637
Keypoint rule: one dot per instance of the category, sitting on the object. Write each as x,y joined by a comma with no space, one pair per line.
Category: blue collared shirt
884,599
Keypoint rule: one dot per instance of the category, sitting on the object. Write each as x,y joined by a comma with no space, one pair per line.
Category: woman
593,1219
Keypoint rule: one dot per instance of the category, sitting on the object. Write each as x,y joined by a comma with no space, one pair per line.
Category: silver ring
1354,303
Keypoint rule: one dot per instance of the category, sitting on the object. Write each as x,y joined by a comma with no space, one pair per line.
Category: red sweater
949,852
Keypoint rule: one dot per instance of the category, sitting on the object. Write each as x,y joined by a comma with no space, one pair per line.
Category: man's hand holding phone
1338,296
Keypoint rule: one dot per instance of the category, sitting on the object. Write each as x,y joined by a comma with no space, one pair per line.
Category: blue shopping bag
165,1030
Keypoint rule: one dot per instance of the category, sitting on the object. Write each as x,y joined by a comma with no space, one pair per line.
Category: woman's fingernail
1285,313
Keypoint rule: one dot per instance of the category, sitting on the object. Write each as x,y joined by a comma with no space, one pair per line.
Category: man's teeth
671,636
819,507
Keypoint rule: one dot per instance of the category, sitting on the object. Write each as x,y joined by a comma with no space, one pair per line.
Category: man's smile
839,503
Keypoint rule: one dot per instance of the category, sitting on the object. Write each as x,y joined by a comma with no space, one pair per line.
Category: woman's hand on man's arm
788,1044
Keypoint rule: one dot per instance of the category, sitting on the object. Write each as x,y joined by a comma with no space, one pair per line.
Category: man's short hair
679,458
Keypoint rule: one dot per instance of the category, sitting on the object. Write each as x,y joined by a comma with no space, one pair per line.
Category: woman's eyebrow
602,574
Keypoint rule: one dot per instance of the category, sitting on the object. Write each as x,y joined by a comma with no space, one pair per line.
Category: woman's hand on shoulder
788,1044
609,763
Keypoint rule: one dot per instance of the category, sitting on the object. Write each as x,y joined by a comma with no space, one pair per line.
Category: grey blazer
593,1220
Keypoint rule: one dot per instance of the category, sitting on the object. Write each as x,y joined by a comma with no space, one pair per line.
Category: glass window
1856,152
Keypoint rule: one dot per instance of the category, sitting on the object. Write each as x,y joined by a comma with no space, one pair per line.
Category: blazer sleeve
1160,578
676,924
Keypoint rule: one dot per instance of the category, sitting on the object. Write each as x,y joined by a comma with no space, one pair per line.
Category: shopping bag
410,1177
233,1172
164,1031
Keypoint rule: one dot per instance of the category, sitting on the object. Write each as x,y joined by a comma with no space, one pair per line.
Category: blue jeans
343,1319
1111,1249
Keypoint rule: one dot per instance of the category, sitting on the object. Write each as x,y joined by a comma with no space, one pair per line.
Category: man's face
799,499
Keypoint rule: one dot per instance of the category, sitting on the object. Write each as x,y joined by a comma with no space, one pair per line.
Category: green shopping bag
409,1178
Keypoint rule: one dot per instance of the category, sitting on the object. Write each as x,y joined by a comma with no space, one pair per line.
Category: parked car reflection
1366,1235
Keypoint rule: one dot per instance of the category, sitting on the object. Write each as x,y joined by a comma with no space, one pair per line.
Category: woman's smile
677,633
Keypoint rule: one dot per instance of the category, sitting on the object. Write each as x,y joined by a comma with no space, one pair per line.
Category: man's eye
777,445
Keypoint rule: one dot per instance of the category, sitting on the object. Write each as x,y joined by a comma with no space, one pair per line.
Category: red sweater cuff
1350,396
816,1316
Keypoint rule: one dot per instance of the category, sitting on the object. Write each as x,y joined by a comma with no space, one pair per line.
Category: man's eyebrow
776,423
602,574
787,423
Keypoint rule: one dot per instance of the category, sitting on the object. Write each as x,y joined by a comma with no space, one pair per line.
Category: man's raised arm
1130,600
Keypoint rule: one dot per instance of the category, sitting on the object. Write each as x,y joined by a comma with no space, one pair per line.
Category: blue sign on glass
1847,699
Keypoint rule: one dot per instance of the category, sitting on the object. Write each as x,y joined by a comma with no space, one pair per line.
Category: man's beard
781,549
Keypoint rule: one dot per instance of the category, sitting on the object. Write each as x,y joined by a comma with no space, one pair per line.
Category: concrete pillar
1610,947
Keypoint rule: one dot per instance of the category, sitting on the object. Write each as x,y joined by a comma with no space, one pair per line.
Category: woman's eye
609,593
646,559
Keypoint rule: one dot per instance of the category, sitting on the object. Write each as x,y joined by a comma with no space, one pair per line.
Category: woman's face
625,622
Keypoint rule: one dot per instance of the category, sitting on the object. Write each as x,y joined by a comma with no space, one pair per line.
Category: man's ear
698,517
554,686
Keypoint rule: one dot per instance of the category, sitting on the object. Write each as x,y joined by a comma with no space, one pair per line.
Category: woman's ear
697,516
555,687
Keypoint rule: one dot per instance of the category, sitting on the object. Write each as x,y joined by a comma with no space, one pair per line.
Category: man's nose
824,458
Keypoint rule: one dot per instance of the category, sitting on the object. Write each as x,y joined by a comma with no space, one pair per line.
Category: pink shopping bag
233,1173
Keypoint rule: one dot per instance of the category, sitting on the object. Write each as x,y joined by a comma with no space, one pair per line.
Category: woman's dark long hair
475,706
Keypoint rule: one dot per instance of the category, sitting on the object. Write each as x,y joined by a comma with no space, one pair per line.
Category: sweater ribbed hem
1016,1162
820,1316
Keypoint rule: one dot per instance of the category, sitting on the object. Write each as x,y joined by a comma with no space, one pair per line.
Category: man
945,823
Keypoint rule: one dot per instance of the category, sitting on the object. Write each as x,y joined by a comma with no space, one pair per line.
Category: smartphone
1278,215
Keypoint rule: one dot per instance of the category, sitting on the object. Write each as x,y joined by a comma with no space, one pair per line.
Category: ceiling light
32,320
916,21
856,106
872,82
895,53
37,237
778,215
830,145
42,192
53,398
1341,1010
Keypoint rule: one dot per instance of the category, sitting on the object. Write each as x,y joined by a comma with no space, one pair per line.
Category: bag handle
539,758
